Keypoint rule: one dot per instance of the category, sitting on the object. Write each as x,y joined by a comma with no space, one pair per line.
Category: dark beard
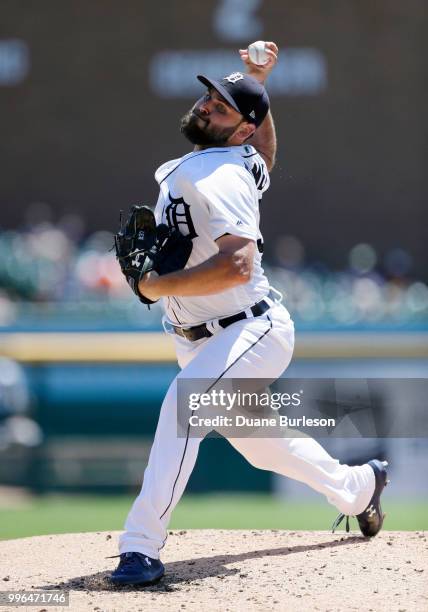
205,135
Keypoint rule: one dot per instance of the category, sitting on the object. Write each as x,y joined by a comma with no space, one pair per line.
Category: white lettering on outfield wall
300,71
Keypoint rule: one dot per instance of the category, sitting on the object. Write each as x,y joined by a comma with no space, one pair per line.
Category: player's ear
246,130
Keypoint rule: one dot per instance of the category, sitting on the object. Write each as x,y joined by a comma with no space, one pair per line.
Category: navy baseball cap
244,93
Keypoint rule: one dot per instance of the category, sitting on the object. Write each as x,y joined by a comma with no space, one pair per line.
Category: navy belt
201,331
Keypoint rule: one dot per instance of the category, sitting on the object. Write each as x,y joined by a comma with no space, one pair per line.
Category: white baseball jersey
207,194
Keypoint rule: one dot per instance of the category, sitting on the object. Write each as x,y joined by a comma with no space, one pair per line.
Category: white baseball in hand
257,53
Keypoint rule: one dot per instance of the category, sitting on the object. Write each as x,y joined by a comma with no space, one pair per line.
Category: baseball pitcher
201,254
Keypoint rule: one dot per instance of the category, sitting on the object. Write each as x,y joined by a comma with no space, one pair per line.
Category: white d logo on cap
235,76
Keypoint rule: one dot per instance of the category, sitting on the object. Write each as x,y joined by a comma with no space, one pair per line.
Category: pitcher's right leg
170,464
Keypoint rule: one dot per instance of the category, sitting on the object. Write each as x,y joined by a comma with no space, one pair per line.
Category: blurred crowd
53,269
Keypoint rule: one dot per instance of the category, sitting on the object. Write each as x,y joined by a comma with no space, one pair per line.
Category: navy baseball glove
142,246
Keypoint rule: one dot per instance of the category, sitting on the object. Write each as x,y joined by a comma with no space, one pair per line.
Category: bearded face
201,129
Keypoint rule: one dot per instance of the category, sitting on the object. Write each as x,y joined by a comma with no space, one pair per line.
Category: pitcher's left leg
348,488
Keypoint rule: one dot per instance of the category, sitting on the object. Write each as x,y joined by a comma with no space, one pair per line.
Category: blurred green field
76,513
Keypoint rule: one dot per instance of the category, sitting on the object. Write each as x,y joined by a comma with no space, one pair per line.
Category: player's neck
213,146
208,146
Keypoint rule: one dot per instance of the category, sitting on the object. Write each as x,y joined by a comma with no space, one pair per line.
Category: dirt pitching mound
230,570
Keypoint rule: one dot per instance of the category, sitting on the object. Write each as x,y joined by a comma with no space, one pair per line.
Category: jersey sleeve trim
232,230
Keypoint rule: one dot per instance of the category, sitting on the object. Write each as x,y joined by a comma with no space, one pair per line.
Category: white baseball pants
252,348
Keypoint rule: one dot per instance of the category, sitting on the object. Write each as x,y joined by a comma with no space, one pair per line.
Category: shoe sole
374,464
382,514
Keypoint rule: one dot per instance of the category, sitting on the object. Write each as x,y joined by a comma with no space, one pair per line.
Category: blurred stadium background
90,99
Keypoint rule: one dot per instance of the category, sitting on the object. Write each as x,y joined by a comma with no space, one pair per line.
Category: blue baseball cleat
135,568
371,519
